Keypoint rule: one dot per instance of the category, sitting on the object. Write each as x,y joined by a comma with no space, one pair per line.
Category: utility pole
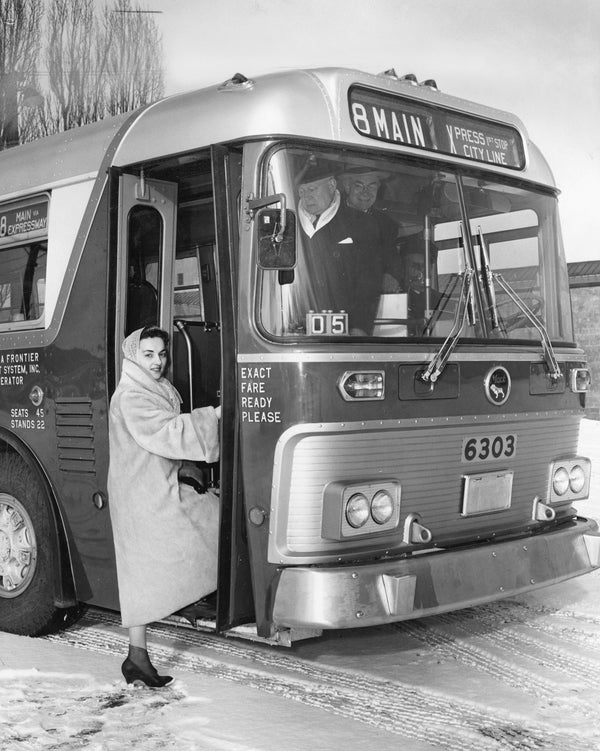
9,111
17,48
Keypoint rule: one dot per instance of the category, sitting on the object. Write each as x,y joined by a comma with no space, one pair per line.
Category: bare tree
96,65
19,47
132,48
75,83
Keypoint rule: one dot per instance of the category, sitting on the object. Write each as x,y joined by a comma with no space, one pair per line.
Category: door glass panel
145,240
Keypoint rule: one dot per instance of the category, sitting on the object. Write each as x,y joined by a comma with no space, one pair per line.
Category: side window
23,282
145,240
23,261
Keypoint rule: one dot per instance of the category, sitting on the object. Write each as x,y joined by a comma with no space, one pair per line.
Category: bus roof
303,103
76,154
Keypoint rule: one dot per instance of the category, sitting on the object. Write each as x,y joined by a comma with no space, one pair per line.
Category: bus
423,461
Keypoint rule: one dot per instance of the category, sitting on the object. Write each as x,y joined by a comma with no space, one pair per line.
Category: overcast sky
537,58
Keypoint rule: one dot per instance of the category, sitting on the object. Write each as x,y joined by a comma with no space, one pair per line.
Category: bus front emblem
497,385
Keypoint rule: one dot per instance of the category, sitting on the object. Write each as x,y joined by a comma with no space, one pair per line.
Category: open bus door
175,241
147,231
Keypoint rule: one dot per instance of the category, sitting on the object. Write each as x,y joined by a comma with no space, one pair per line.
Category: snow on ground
493,675
48,710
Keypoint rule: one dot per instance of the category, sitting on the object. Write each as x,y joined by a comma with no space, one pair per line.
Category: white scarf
306,219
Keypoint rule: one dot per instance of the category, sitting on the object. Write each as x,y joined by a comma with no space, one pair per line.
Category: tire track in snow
415,713
582,630
446,646
517,643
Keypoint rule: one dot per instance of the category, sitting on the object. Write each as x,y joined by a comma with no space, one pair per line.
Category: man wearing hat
361,186
343,258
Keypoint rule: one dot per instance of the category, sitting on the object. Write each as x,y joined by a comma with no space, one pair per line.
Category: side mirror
276,239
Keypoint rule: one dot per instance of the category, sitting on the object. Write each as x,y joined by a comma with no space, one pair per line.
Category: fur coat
165,536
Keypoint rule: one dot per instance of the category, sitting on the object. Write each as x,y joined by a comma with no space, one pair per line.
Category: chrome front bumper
433,582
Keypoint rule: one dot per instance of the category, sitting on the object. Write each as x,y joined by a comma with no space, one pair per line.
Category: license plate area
486,492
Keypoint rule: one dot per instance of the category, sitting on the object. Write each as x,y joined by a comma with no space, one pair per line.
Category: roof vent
238,82
410,78
430,83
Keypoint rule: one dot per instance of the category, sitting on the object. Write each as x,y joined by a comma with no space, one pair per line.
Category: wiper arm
488,280
549,356
465,305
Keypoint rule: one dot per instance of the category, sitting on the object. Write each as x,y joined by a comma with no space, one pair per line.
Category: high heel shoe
134,674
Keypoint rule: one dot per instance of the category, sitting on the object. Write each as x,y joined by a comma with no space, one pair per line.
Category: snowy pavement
519,674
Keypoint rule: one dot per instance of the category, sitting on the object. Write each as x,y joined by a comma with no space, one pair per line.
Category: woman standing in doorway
165,535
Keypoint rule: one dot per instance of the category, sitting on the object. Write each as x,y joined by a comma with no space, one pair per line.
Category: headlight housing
570,479
360,509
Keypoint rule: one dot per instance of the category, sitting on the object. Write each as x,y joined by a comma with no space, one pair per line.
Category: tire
26,556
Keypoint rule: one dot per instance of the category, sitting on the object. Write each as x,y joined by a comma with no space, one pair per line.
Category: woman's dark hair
152,332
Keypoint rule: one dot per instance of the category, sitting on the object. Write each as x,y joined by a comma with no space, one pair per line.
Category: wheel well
64,586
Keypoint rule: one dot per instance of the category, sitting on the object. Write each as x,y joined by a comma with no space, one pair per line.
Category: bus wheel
26,584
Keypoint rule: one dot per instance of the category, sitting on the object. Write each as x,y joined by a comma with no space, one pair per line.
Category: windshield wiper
549,356
487,280
465,308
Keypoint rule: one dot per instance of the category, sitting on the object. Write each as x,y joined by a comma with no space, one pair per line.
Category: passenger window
23,282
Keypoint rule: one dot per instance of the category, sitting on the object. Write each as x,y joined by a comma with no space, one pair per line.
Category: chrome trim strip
415,422
421,356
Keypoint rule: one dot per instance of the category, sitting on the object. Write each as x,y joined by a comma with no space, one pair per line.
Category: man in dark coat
343,255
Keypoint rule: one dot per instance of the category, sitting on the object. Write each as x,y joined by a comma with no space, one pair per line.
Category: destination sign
422,125
25,220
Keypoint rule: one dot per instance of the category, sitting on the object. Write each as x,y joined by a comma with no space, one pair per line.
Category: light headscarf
131,350
131,345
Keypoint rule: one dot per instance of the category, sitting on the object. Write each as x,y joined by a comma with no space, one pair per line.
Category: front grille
425,456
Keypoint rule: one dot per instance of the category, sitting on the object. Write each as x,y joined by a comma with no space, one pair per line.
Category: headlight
570,479
560,481
357,510
382,507
361,508
577,479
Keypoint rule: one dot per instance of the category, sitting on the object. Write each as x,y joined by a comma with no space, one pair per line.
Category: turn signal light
580,380
362,385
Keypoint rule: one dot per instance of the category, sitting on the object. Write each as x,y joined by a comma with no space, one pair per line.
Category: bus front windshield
385,248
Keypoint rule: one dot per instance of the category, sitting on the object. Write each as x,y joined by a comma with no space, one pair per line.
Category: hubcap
18,547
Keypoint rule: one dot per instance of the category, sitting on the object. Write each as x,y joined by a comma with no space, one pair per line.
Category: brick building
584,281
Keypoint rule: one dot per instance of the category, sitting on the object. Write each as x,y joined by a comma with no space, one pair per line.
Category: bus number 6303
488,447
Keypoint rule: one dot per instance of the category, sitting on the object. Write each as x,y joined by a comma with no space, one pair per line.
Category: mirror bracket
253,204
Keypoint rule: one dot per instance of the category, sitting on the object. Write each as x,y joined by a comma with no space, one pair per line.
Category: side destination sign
25,220
422,125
